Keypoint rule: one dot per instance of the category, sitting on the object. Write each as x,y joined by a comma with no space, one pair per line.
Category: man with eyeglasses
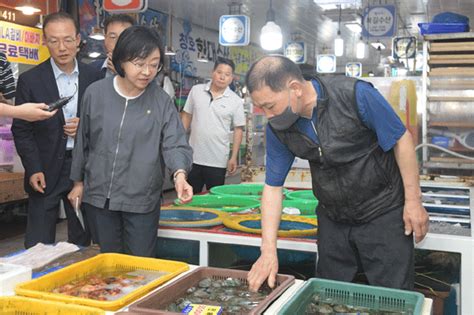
114,25
45,147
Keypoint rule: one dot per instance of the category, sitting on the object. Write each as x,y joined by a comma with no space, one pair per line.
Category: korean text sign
22,44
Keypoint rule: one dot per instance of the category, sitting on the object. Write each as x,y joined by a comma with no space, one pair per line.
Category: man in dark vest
363,168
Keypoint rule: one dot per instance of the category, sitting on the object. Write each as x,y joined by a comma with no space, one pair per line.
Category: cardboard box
11,187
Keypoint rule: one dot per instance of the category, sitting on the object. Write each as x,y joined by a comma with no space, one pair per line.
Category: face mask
285,120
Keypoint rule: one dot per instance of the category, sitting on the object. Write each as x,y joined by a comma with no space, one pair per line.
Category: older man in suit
46,147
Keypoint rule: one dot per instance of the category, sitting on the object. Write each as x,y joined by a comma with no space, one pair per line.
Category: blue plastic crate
440,28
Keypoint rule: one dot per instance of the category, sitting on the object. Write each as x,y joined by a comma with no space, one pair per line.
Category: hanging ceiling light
169,51
201,57
339,42
338,45
270,35
360,49
354,27
94,54
97,33
378,45
27,8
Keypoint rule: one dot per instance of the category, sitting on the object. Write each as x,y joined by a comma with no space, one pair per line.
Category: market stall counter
194,278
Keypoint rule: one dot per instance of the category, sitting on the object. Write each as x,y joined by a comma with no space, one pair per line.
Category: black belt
68,154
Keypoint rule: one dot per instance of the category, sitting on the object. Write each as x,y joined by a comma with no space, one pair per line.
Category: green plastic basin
306,206
223,203
247,190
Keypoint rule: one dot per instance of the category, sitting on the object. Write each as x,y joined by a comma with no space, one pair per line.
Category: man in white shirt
210,111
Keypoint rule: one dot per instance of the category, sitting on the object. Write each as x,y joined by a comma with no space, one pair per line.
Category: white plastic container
10,276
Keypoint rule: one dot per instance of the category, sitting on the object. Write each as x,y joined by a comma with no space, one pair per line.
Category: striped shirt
7,81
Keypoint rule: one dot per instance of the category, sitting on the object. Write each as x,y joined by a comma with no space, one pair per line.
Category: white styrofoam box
10,276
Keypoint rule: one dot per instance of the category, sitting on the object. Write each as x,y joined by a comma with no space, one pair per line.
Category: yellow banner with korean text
22,44
243,57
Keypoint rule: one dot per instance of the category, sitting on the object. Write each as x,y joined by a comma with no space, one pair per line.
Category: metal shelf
454,207
451,46
449,165
449,36
451,84
450,98
451,59
441,195
453,124
452,71
449,220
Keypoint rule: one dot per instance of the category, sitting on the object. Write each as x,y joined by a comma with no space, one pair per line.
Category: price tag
201,309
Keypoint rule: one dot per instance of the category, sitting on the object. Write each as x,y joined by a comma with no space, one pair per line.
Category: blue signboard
325,63
379,21
296,51
354,69
234,30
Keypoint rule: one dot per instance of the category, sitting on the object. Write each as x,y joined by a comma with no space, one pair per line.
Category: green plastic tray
306,206
248,190
223,203
301,194
376,298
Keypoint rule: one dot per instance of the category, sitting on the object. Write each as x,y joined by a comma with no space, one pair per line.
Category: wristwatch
179,172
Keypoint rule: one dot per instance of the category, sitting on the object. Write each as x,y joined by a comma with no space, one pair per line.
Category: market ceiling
316,26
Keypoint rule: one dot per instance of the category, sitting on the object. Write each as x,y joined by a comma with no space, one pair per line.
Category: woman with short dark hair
129,131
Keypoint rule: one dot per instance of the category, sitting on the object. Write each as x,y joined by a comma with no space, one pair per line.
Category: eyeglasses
68,42
151,67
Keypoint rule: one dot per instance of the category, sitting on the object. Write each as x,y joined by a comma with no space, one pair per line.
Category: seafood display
320,306
108,286
231,294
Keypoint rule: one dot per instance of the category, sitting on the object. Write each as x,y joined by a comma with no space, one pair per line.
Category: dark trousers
125,232
201,175
43,211
379,248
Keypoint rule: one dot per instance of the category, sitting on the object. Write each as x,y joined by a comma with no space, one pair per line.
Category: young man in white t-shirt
210,111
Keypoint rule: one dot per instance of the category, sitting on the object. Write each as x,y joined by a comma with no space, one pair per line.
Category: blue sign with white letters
234,30
326,63
379,21
296,51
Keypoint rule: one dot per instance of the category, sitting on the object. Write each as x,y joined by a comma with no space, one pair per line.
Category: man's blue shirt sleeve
377,114
278,160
